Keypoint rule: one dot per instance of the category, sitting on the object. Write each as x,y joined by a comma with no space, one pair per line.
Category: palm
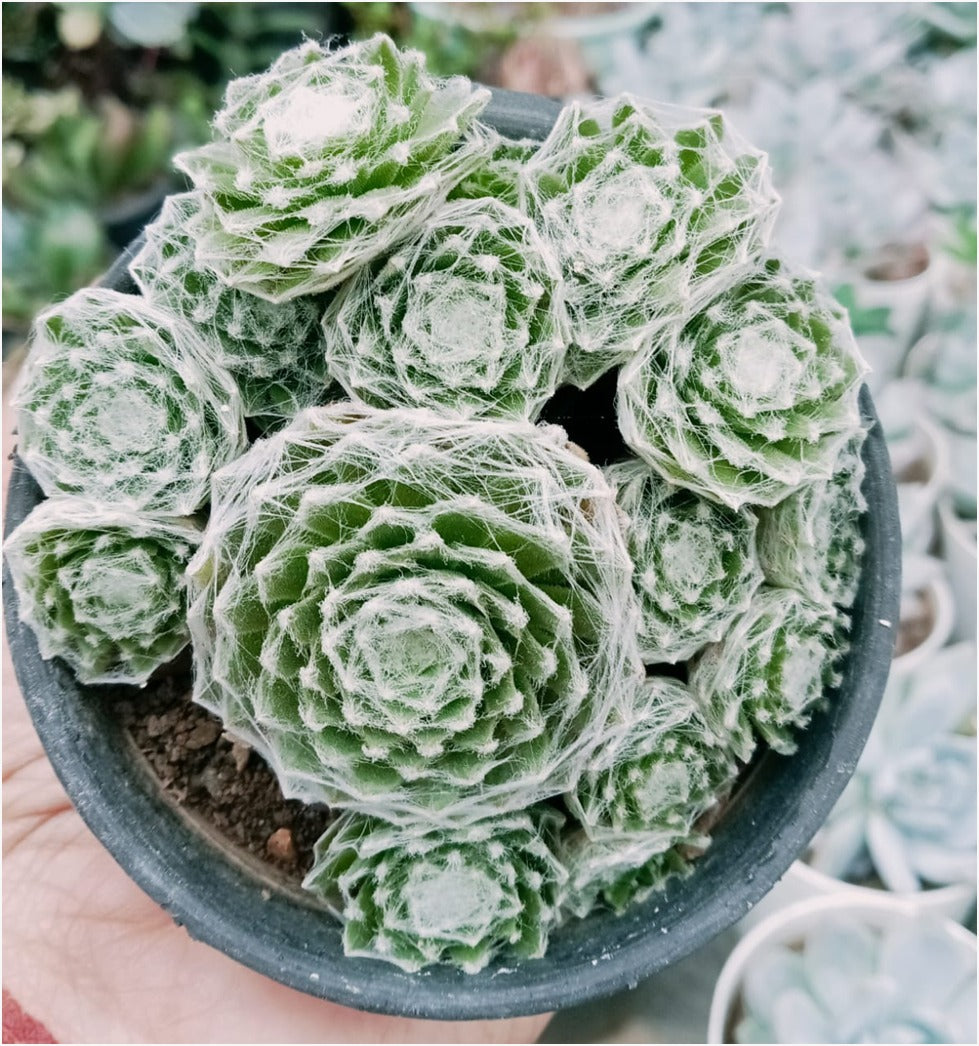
89,955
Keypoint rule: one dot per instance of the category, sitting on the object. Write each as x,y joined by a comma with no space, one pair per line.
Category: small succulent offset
419,606
811,541
468,318
119,402
415,897
650,207
851,982
103,588
638,806
908,814
752,398
769,672
414,616
273,352
325,162
696,567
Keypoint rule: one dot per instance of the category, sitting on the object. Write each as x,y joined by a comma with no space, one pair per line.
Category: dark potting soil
222,781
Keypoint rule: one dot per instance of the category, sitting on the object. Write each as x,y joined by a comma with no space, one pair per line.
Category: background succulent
811,541
468,318
850,982
327,161
424,617
766,676
696,567
119,402
650,207
753,397
102,588
414,898
275,353
908,815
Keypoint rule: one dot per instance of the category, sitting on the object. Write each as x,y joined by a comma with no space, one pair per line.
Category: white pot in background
918,451
790,927
905,293
958,545
803,883
927,612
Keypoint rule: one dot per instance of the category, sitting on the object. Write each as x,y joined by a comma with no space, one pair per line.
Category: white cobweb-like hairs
752,398
273,352
770,672
651,208
102,587
467,319
499,172
811,541
414,897
119,402
639,801
696,564
418,617
325,162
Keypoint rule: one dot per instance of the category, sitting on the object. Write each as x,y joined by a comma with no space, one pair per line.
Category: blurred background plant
868,113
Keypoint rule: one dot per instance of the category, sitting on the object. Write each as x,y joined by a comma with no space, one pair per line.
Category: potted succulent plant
844,970
443,627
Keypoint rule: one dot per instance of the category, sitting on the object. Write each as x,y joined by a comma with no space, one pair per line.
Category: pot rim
221,901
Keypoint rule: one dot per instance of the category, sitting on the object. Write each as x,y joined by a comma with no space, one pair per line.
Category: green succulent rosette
118,402
811,541
326,161
275,353
771,671
414,897
751,399
466,319
651,208
418,617
696,564
102,587
639,801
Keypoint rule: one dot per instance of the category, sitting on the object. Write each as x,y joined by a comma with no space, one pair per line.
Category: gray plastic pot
778,806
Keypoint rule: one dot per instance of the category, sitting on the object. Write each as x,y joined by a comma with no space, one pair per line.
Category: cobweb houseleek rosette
102,587
811,541
468,319
770,672
639,801
274,353
414,616
651,208
499,172
751,399
696,564
119,402
325,162
414,897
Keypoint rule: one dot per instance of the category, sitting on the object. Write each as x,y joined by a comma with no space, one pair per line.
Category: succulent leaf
499,173
651,208
327,161
414,616
414,897
118,402
751,399
275,353
102,588
468,318
696,567
769,672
